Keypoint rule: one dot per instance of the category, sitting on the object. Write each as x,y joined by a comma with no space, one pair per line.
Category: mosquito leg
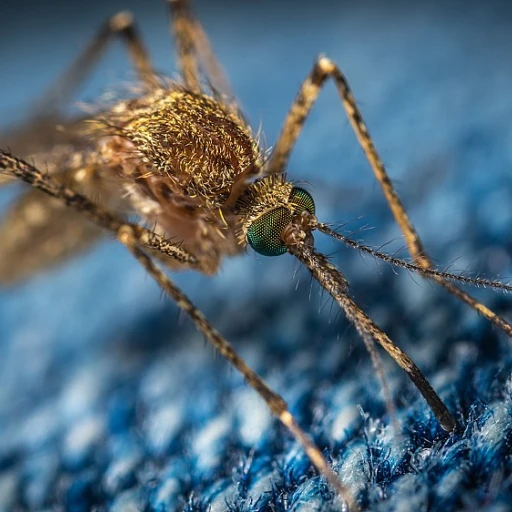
195,50
132,236
37,220
309,91
29,174
274,401
181,25
212,67
333,281
121,25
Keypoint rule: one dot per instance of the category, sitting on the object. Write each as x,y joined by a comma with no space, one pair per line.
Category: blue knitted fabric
110,399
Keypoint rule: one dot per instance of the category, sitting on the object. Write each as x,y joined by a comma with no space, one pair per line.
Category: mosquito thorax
201,145
182,158
266,208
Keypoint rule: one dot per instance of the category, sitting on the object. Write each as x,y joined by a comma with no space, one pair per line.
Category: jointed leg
323,69
121,25
29,174
181,23
274,401
194,50
335,283
38,231
132,236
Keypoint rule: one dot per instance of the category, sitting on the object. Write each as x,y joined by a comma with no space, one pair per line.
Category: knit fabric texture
110,399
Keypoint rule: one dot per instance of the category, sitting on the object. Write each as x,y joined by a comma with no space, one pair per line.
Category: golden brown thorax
186,158
201,145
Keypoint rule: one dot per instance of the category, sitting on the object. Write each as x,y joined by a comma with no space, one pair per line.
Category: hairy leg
29,174
39,231
275,402
333,281
194,51
300,109
133,236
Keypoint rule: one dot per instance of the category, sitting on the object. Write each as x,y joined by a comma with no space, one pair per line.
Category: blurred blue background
108,397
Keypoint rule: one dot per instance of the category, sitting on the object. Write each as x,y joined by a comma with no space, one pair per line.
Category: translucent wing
36,231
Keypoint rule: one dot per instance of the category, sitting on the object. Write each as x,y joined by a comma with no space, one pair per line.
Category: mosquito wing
37,231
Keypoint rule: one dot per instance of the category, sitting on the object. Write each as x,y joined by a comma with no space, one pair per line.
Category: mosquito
182,157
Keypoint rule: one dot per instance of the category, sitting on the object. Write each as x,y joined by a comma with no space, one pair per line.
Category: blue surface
109,399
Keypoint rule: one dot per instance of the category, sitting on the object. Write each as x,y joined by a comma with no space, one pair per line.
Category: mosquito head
274,215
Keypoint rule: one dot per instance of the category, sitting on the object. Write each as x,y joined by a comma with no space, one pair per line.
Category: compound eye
264,235
302,200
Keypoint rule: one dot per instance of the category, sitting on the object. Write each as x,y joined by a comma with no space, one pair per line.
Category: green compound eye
264,235
302,200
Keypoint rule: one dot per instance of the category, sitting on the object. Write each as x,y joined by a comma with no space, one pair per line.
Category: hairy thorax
183,159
